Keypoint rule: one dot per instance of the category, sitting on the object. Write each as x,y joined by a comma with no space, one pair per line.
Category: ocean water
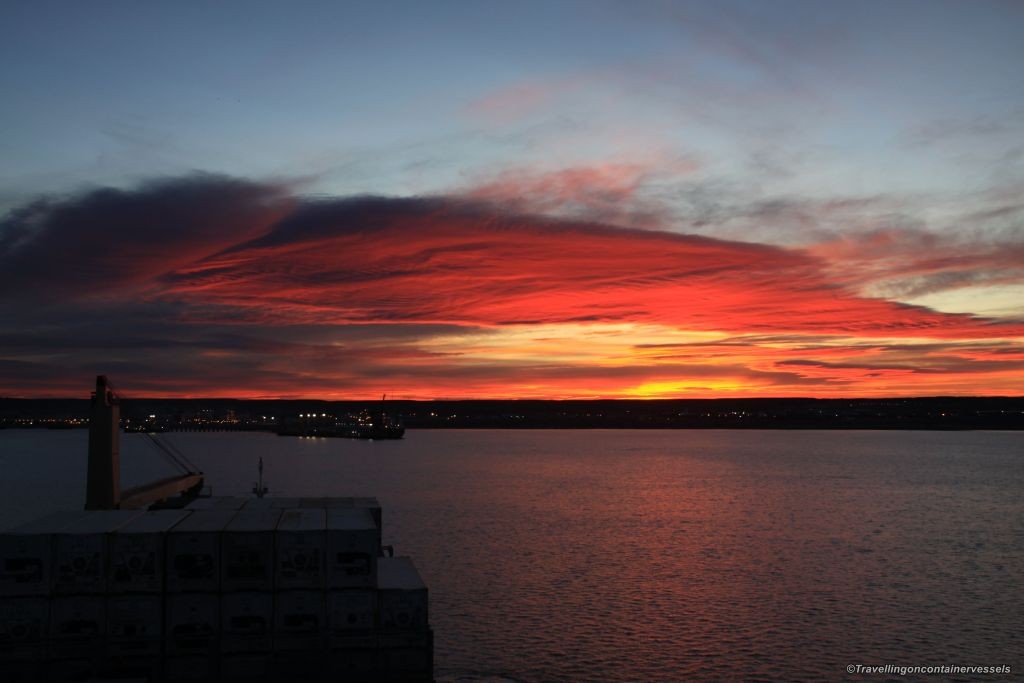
652,555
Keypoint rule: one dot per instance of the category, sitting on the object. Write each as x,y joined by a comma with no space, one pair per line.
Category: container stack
406,641
247,598
193,593
135,593
352,621
299,605
55,595
26,587
229,589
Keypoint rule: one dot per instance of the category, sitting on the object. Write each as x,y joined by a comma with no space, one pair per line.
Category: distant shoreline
928,413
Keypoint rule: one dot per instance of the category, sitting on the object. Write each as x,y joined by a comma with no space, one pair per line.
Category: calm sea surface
652,555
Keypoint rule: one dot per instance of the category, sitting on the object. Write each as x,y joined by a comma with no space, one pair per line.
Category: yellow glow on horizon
679,389
674,363
606,344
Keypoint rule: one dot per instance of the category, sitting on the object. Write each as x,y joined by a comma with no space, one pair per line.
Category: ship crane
258,489
103,483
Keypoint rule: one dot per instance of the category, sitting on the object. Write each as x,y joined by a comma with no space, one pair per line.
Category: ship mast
103,481
260,490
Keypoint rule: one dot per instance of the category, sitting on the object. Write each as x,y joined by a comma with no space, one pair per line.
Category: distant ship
379,430
368,426
383,427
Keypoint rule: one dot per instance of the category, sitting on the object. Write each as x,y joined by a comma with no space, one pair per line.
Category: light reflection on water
652,555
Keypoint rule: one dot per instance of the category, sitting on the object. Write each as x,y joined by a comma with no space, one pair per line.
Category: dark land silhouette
765,413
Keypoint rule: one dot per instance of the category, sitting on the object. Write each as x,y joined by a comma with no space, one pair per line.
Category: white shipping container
245,668
23,665
353,641
77,617
354,664
247,622
23,622
127,668
80,551
351,611
134,625
299,620
352,619
217,503
371,505
138,649
79,564
407,661
137,552
190,669
352,548
192,623
26,554
193,551
247,551
298,667
229,503
402,594
299,549
83,668
77,626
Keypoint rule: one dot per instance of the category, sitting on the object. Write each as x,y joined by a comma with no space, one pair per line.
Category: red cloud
447,262
229,289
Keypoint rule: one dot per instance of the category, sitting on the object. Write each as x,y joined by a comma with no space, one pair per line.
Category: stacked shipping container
228,589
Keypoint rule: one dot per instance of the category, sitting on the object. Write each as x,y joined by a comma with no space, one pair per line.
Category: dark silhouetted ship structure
206,589
382,427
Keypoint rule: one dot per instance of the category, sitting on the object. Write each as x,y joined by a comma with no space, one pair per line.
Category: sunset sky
512,199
